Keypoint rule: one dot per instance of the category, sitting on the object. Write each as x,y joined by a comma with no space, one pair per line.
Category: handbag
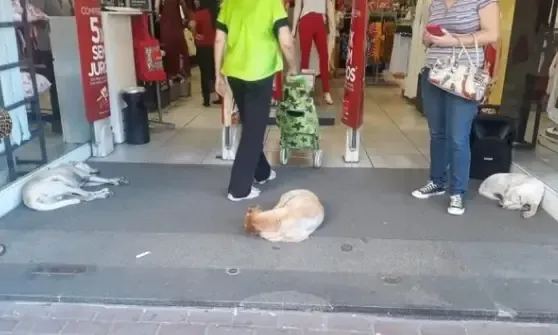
6,124
190,42
468,81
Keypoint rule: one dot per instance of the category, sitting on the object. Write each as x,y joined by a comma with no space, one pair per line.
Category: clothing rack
382,16
38,131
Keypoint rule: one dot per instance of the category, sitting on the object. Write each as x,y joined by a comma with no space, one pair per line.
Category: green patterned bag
297,117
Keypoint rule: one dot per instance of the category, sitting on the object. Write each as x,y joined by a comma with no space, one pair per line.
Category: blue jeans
450,119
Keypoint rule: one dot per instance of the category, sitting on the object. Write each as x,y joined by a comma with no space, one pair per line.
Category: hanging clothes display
147,52
401,51
418,50
172,38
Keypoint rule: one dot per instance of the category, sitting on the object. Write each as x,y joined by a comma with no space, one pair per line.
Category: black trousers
204,58
253,99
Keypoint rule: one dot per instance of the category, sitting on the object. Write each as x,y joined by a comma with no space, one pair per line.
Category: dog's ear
249,226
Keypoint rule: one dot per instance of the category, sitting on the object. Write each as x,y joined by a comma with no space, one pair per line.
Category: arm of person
221,31
283,33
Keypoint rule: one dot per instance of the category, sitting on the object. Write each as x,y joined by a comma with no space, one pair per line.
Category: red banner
92,56
353,99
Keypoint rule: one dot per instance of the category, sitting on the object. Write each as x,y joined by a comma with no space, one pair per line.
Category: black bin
492,139
136,119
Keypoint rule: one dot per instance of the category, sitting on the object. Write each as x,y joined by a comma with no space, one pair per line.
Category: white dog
61,186
297,215
514,191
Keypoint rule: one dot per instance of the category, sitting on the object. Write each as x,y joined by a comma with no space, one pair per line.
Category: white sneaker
456,205
272,176
254,193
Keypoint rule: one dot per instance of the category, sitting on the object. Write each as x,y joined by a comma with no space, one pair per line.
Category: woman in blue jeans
450,117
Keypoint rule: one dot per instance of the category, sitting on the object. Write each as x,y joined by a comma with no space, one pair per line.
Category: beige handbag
190,42
469,81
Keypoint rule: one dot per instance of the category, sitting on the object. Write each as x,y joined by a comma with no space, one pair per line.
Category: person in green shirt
250,37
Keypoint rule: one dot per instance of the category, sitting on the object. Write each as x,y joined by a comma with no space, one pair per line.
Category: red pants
311,27
278,86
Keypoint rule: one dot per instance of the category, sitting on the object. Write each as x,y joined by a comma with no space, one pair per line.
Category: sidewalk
26,318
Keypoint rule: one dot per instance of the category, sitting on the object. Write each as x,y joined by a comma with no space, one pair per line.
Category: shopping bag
147,52
190,42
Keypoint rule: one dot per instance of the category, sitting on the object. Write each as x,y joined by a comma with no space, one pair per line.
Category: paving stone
165,315
225,330
500,328
86,327
42,326
7,325
349,322
438,328
74,312
120,314
210,317
256,319
396,327
336,332
279,331
313,320
129,328
182,329
17,310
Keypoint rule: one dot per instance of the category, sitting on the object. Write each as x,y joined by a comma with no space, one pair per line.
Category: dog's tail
45,207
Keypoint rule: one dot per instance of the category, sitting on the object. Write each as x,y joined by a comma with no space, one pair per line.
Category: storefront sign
92,56
356,65
138,4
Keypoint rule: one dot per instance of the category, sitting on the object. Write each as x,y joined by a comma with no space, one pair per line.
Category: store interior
394,132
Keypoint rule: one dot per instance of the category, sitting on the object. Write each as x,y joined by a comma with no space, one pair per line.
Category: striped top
461,18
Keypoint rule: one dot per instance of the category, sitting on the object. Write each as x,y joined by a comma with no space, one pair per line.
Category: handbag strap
464,50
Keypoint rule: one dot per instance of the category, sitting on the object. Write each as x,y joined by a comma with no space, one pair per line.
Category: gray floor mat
378,250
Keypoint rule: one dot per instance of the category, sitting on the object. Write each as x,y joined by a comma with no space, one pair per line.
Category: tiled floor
394,135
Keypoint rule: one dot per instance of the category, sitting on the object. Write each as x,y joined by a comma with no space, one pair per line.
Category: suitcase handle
295,113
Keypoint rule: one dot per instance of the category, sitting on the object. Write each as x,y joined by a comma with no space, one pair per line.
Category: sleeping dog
297,215
61,186
514,191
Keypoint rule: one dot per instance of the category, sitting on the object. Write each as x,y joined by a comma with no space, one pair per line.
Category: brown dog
297,215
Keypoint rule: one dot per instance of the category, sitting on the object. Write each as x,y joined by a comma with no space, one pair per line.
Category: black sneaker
428,190
456,205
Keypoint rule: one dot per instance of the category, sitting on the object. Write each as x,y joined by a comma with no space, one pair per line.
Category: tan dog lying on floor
297,215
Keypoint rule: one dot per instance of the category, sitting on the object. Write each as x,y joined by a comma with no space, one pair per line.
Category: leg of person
320,40
305,34
434,109
205,64
460,116
253,99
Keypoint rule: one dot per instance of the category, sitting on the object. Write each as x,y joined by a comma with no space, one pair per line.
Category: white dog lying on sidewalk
61,186
297,215
514,191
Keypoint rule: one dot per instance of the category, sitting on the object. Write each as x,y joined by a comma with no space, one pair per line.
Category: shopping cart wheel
284,156
318,156
2,249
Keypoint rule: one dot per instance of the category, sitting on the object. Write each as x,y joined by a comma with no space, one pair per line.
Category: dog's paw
107,195
123,181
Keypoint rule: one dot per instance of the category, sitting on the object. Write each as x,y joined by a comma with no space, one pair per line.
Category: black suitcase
492,138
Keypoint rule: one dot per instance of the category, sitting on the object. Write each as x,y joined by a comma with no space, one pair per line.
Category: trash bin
492,139
136,120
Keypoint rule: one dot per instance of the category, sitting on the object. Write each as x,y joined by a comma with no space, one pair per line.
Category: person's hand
446,40
220,85
291,71
426,38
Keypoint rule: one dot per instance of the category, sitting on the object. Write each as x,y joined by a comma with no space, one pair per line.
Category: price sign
92,57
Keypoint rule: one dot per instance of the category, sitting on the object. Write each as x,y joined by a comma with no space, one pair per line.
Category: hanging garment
376,47
172,38
147,52
388,32
552,90
311,28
